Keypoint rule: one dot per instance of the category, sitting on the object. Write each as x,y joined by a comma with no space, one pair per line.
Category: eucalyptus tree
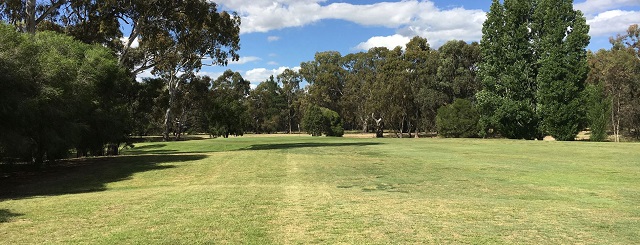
326,78
426,92
616,72
290,81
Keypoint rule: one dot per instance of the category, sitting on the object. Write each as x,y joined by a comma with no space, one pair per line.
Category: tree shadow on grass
6,215
284,146
83,175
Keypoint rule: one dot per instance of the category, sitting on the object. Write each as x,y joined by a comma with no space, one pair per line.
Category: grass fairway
300,190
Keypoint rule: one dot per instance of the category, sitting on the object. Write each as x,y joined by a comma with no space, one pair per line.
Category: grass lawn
300,190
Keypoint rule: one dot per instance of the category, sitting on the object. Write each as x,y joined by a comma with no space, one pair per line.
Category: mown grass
300,190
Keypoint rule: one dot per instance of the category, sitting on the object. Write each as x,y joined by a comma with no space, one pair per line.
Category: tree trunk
31,17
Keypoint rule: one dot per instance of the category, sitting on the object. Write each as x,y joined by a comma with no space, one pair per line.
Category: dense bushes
459,119
318,120
59,94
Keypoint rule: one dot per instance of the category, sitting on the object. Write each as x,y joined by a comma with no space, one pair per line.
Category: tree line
68,80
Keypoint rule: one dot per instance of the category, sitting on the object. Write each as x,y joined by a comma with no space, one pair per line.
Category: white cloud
612,22
258,75
212,75
134,44
409,17
244,60
389,41
272,63
590,7
273,38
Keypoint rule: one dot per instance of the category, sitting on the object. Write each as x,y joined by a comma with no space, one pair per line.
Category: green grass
300,190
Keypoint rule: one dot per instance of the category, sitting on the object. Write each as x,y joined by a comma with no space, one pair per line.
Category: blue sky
279,34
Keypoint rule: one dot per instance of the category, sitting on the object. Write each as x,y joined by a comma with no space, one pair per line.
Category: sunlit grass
286,190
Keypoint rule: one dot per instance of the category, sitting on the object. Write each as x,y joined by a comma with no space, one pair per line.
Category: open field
299,190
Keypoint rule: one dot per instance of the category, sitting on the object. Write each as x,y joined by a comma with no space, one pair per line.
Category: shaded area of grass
285,146
84,175
6,215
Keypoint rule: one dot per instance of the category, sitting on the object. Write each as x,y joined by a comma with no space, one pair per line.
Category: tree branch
50,10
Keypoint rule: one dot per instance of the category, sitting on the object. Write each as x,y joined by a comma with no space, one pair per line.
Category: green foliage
458,120
227,113
314,121
332,123
62,94
598,111
533,69
266,104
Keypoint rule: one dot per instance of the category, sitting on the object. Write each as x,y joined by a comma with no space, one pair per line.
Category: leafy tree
332,123
314,121
616,70
228,114
457,69
458,120
61,94
266,103
562,38
533,69
598,107
290,81
423,65
326,78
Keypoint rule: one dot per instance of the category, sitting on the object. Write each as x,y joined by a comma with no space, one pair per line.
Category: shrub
318,120
313,121
333,123
458,120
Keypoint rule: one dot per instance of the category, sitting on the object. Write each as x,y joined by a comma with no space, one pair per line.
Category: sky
280,34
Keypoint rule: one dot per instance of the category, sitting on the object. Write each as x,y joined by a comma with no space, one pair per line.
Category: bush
313,121
319,120
458,120
333,123
598,106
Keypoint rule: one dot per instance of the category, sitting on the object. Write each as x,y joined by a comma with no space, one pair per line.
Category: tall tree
326,77
562,35
290,81
228,113
525,92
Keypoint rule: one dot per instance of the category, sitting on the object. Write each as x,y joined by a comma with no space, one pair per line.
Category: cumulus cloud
593,7
612,22
244,60
409,17
258,75
389,42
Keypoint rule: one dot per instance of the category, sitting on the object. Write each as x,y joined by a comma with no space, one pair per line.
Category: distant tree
314,121
458,120
533,69
616,70
326,78
598,106
290,81
266,104
457,69
332,123
227,113
423,64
